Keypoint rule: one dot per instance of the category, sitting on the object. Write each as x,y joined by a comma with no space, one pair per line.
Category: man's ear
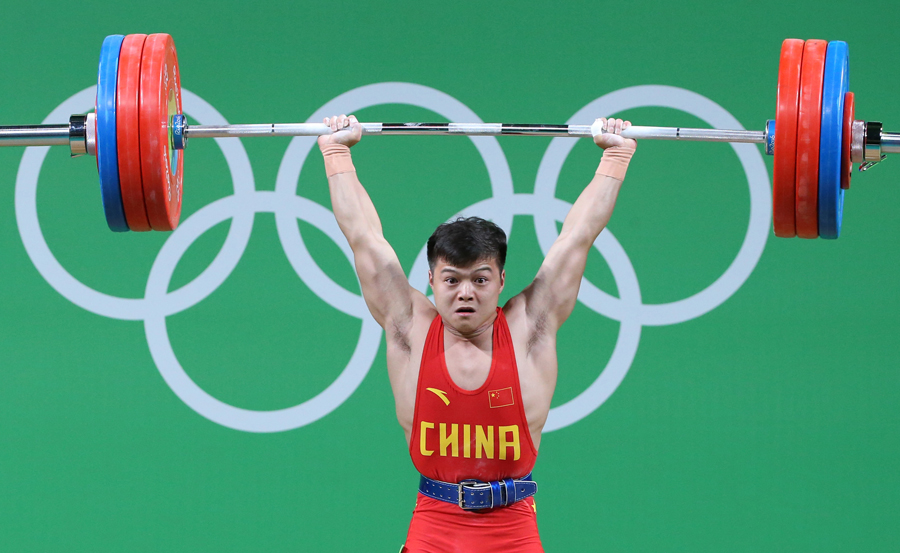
430,279
502,279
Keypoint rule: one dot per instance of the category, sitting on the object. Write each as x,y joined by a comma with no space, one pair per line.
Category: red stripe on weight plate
160,99
846,164
128,136
809,125
784,173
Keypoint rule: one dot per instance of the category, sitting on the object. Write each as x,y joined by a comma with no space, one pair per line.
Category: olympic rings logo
287,206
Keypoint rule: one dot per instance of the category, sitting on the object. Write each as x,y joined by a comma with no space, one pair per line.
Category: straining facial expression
466,259
467,297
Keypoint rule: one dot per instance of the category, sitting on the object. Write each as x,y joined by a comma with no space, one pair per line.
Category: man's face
466,297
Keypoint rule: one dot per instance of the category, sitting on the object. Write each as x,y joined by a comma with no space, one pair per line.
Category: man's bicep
384,285
553,293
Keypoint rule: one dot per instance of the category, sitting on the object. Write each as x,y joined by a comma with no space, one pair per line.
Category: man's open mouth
466,310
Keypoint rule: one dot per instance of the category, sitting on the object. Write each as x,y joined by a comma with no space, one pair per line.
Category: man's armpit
537,332
400,336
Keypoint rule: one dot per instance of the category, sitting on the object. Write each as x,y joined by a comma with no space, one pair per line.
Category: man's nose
465,292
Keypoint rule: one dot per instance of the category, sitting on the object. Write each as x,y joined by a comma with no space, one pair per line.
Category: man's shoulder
517,312
516,318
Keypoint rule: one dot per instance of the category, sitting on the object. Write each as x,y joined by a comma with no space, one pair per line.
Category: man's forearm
353,209
593,208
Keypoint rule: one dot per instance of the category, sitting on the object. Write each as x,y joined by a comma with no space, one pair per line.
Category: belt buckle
461,496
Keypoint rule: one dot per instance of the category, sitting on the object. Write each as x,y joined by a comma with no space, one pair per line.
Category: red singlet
480,434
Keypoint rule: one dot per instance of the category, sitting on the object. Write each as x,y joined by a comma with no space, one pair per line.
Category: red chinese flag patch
501,398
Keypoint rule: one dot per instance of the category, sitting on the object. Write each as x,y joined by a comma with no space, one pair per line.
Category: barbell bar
814,117
74,135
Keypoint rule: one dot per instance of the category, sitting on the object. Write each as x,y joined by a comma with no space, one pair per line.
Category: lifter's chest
468,365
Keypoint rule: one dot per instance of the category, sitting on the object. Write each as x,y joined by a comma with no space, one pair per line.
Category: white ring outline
114,307
243,208
276,420
760,202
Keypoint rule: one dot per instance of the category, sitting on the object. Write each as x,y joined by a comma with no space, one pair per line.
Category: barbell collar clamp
770,137
90,139
873,138
869,164
77,135
858,141
179,124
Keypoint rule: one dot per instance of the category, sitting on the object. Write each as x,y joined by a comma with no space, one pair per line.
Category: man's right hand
608,133
350,135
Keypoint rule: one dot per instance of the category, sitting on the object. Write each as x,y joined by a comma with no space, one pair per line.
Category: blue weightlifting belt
474,494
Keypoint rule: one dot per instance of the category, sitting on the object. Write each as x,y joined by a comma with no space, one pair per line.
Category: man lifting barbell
472,382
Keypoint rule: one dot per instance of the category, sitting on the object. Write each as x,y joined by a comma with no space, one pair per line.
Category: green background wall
769,423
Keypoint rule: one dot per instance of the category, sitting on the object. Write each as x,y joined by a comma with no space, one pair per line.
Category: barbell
138,133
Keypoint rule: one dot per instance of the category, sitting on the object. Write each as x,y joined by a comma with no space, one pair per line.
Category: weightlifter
472,382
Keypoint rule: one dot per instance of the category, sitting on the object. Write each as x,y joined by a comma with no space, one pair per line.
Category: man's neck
480,337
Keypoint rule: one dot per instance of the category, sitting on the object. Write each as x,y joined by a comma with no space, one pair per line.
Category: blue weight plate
836,84
107,153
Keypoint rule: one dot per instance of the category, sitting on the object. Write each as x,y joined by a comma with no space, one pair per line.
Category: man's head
466,259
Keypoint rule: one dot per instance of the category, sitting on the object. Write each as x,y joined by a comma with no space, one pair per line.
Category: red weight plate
809,124
783,178
128,134
846,164
160,99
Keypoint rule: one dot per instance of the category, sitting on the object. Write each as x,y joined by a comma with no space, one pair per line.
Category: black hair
467,240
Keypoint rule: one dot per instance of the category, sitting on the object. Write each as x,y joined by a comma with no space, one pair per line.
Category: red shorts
440,527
